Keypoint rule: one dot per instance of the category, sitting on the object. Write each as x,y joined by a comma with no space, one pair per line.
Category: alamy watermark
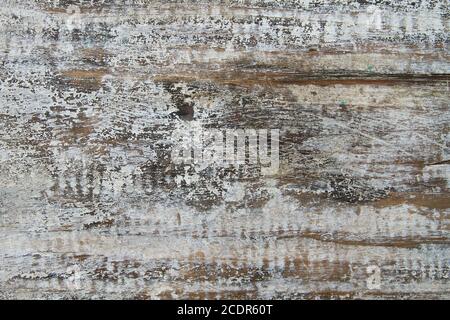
229,147
373,281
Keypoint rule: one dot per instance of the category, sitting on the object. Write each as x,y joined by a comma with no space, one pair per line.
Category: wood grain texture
93,207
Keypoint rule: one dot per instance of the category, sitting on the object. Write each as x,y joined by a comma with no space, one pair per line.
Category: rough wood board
93,207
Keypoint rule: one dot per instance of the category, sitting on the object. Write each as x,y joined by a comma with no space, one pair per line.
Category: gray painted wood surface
92,94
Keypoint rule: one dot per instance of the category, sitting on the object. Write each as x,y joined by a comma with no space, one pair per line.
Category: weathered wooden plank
93,95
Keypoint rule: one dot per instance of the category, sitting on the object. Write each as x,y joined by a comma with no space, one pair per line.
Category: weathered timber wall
92,205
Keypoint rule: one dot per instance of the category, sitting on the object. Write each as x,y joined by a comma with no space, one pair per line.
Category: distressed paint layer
92,94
